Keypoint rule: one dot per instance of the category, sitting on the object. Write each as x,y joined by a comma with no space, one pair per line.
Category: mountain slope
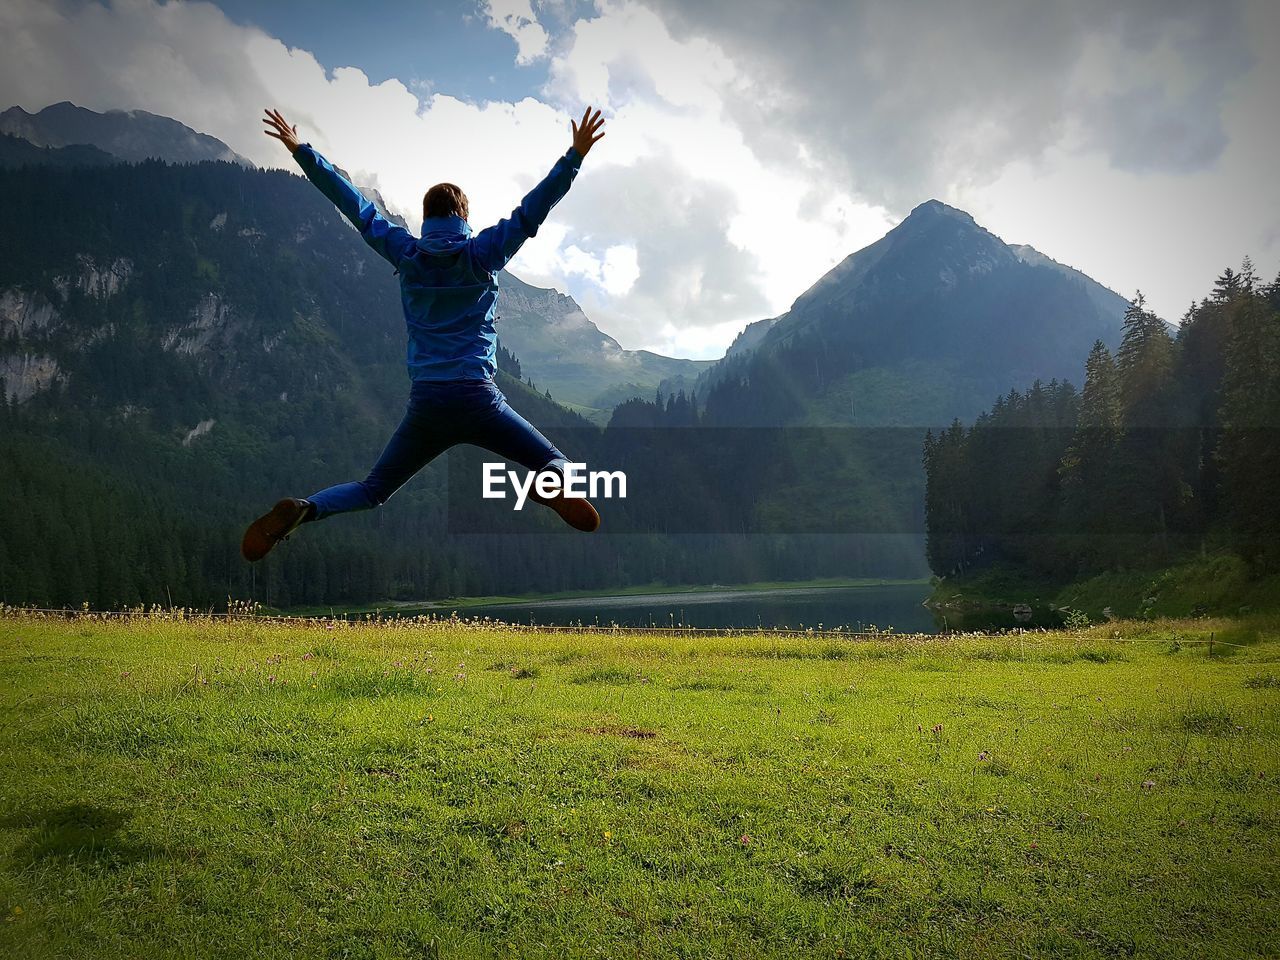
131,135
1106,299
17,152
561,349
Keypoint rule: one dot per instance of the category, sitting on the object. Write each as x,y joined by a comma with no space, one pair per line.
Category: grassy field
240,788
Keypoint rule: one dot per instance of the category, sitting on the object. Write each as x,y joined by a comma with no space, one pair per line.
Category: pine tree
1227,286
1092,450
1248,452
1144,363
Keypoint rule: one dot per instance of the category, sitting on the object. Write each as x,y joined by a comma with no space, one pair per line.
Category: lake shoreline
650,591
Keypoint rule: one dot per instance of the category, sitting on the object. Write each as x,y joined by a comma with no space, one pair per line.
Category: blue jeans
440,415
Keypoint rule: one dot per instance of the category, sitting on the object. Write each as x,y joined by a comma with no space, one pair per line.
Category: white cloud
517,19
620,270
682,224
751,144
1107,119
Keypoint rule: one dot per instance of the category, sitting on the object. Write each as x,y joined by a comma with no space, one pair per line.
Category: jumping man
449,289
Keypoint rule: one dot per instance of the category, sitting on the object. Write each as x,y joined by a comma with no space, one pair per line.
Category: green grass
254,789
1216,584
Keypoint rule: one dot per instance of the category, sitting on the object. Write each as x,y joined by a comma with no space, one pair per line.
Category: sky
750,144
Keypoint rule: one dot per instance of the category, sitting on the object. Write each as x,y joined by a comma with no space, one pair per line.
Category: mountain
16,152
562,350
130,135
928,323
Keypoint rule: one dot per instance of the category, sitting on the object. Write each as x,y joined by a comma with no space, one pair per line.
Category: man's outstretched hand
584,134
281,129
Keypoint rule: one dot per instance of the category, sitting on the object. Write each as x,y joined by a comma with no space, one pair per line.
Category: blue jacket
448,278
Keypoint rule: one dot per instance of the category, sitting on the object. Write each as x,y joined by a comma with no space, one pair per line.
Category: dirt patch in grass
619,730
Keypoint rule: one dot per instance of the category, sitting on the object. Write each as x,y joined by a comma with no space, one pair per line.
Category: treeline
1171,446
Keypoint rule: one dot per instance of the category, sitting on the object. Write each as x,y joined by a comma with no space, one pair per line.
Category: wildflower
744,840
983,755
1034,845
608,835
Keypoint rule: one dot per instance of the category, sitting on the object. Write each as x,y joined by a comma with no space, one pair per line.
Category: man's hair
445,200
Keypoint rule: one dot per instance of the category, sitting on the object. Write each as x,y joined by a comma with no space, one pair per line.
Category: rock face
210,321
198,431
24,375
32,326
95,280
24,314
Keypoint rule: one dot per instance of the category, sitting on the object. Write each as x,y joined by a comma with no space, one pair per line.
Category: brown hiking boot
272,527
577,512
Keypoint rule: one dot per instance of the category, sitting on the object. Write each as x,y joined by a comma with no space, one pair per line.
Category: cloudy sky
751,144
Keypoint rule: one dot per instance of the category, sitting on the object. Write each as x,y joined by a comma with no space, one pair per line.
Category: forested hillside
1170,448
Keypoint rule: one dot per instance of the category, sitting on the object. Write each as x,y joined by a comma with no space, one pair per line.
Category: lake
895,605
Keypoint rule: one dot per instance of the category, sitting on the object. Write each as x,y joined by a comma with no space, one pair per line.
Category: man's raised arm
496,245
391,242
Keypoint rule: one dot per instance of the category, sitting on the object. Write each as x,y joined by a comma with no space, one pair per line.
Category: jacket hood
444,234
